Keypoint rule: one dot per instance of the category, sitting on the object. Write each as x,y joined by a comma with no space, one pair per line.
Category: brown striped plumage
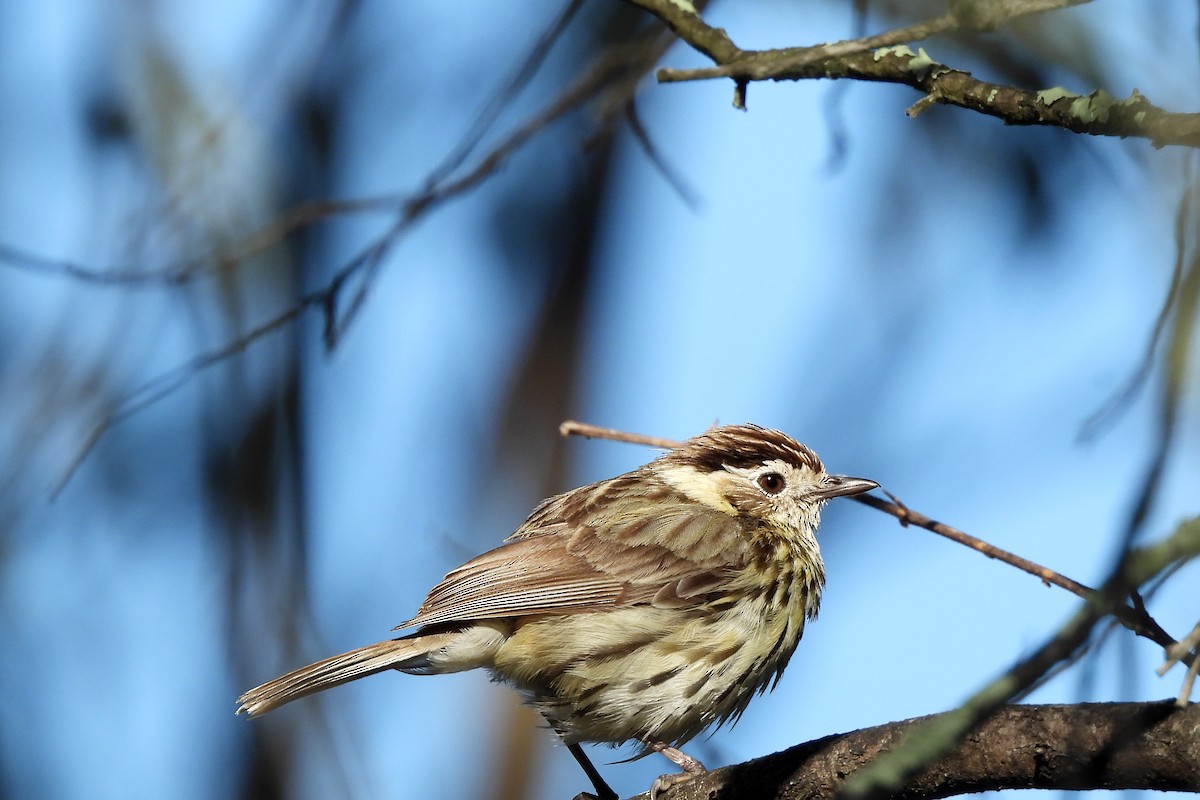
646,607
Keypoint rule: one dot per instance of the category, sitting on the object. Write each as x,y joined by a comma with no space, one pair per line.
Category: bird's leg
603,790
682,759
690,766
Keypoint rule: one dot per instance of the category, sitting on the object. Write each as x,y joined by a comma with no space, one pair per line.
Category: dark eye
771,482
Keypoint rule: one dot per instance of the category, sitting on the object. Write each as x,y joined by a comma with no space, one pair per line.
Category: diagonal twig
1135,617
890,772
1124,396
615,65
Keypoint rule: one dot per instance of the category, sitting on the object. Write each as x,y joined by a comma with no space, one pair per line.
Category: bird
644,608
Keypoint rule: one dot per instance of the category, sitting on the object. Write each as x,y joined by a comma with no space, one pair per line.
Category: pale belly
646,673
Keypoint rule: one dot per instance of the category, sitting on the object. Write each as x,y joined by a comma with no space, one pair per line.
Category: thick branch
1089,746
893,770
687,25
1096,113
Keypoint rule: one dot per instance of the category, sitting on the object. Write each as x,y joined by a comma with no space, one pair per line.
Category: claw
664,783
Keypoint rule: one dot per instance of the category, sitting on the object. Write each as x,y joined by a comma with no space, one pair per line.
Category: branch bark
1086,746
884,58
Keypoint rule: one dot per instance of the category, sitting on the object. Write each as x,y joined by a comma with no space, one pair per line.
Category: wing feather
571,557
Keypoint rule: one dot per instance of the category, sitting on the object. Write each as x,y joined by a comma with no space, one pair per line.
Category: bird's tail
336,670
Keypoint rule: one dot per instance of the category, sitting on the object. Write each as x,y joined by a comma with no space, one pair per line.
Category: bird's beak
843,485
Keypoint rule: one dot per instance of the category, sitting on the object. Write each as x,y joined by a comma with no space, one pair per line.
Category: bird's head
764,474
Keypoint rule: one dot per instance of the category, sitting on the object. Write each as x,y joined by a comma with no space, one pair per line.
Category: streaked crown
742,447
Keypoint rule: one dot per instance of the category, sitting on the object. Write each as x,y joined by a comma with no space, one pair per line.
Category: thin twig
503,99
589,431
1179,652
608,69
1135,619
909,517
614,65
671,175
888,774
165,383
974,17
1178,356
1189,680
184,271
903,513
1150,588
1121,399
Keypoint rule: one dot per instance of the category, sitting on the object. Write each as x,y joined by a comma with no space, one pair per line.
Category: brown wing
571,558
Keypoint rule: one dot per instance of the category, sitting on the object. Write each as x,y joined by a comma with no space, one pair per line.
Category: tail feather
333,671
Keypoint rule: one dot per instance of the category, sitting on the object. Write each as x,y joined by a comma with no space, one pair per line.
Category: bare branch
658,159
179,273
892,770
162,385
1087,746
905,515
974,16
1135,619
1178,652
503,99
1124,396
883,58
615,66
612,67
186,270
589,431
1179,349
687,25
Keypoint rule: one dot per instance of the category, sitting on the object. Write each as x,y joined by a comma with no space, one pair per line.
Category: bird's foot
690,766
664,783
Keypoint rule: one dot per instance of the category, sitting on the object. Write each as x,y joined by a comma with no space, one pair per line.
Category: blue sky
899,313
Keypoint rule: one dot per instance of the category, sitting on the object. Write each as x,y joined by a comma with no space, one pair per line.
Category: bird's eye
771,482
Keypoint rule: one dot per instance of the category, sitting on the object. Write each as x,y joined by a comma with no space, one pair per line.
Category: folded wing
572,562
